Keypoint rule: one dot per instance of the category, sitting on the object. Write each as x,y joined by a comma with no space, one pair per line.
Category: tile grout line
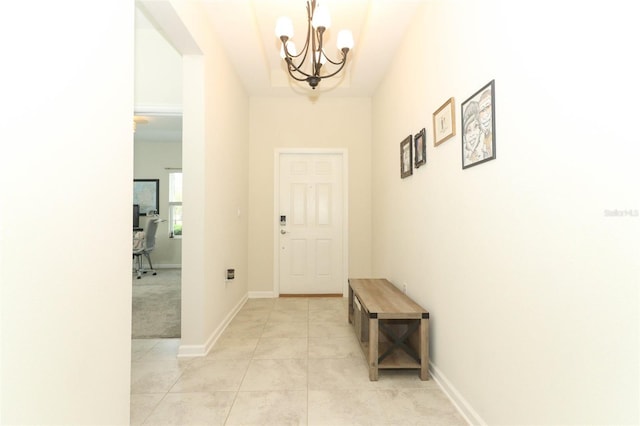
157,404
253,353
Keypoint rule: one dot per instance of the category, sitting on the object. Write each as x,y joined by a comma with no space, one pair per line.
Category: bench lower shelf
398,359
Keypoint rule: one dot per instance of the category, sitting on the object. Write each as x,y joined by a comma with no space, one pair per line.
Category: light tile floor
287,361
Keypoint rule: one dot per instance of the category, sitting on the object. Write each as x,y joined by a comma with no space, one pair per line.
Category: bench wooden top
385,300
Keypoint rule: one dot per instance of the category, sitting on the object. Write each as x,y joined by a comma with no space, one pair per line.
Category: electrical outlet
404,288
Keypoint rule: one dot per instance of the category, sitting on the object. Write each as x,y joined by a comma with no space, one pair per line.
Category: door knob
283,231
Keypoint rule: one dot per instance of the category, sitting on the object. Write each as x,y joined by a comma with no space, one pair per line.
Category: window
175,205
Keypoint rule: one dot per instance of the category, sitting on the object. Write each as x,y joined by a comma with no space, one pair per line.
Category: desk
392,329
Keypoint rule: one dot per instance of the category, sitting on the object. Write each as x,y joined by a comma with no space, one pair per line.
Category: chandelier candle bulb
345,40
291,49
284,27
321,17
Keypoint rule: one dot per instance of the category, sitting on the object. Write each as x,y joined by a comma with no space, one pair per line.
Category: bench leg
373,349
424,349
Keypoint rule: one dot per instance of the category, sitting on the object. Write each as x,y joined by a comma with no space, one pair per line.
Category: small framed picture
406,157
444,122
479,127
420,148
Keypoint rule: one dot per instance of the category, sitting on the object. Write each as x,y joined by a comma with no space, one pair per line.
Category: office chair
143,244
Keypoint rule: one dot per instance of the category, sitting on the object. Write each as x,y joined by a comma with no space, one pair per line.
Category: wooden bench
392,329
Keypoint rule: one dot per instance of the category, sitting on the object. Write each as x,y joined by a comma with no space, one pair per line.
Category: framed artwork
420,148
406,158
146,193
444,122
479,127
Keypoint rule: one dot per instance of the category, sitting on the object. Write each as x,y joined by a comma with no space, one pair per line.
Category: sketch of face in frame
478,127
471,132
485,111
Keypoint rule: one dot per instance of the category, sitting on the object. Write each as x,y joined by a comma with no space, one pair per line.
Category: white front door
311,223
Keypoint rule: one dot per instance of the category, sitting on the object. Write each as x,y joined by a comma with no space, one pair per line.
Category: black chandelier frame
313,43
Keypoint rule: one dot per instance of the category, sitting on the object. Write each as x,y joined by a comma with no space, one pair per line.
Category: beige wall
158,68
65,238
300,123
151,160
216,111
532,287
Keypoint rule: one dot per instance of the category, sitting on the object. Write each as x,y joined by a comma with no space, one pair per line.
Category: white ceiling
158,127
246,29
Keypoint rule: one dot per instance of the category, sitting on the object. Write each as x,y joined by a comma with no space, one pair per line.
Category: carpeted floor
156,305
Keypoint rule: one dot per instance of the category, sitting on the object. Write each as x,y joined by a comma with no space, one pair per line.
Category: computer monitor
136,215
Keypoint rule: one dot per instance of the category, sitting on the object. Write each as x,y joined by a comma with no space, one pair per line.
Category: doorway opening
158,146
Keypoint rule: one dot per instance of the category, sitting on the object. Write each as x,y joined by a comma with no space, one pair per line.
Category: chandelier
308,64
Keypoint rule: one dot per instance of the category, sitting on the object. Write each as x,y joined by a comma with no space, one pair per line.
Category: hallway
287,361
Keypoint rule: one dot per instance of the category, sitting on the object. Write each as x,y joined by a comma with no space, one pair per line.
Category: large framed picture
406,158
479,127
146,193
444,122
420,148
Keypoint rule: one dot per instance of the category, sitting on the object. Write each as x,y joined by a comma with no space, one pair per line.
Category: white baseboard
261,295
461,404
169,266
190,351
